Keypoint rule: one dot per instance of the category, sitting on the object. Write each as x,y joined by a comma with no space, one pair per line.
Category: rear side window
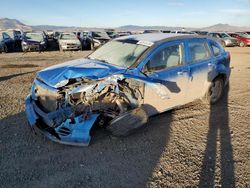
6,36
216,50
198,51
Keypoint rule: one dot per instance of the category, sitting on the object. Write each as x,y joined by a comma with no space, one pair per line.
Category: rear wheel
5,49
215,91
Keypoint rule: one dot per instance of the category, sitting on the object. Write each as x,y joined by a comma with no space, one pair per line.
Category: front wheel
61,49
23,49
91,46
242,44
215,91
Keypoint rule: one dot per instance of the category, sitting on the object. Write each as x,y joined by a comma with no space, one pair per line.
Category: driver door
168,75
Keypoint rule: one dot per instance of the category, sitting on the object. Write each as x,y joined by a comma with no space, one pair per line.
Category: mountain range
6,23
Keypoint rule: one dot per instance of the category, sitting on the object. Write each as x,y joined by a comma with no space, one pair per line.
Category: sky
115,13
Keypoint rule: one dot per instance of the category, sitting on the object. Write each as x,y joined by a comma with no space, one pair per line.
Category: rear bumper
71,131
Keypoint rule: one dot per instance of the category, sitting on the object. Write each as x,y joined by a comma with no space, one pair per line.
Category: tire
91,46
60,48
242,44
5,49
127,123
24,50
215,91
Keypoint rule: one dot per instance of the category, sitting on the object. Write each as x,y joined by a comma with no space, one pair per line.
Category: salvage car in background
200,32
7,44
34,41
151,31
184,32
123,83
112,34
93,39
69,41
244,39
225,39
124,33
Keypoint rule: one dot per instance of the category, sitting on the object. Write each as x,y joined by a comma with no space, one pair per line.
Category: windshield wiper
102,60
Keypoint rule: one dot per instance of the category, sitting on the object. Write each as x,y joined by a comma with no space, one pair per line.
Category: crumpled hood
80,68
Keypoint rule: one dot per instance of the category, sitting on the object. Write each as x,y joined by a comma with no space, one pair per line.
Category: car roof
158,37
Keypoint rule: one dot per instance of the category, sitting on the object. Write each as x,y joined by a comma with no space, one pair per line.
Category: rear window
198,51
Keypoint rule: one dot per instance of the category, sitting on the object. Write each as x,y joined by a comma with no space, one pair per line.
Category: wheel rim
216,90
241,44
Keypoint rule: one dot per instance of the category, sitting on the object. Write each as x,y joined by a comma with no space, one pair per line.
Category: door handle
181,72
210,64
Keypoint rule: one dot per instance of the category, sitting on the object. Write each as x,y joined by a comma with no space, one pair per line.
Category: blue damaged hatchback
124,82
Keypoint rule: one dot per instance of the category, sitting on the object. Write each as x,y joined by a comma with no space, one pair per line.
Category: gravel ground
193,146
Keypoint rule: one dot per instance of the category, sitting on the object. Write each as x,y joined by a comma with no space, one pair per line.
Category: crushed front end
67,114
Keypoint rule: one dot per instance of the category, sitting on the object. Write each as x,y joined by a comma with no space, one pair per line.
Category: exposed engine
108,97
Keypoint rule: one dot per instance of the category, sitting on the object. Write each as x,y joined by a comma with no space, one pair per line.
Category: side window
168,57
198,51
216,49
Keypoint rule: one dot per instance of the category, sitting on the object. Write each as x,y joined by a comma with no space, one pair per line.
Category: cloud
238,12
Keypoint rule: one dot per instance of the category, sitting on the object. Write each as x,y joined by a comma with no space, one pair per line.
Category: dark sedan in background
93,39
34,41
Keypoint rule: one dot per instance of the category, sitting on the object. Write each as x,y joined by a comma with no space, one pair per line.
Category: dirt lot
195,145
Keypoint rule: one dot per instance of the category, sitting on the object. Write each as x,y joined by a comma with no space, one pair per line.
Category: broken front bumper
72,131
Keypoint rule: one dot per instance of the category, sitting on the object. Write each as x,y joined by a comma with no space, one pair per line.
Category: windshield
84,33
244,35
68,36
119,53
34,36
111,33
224,35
